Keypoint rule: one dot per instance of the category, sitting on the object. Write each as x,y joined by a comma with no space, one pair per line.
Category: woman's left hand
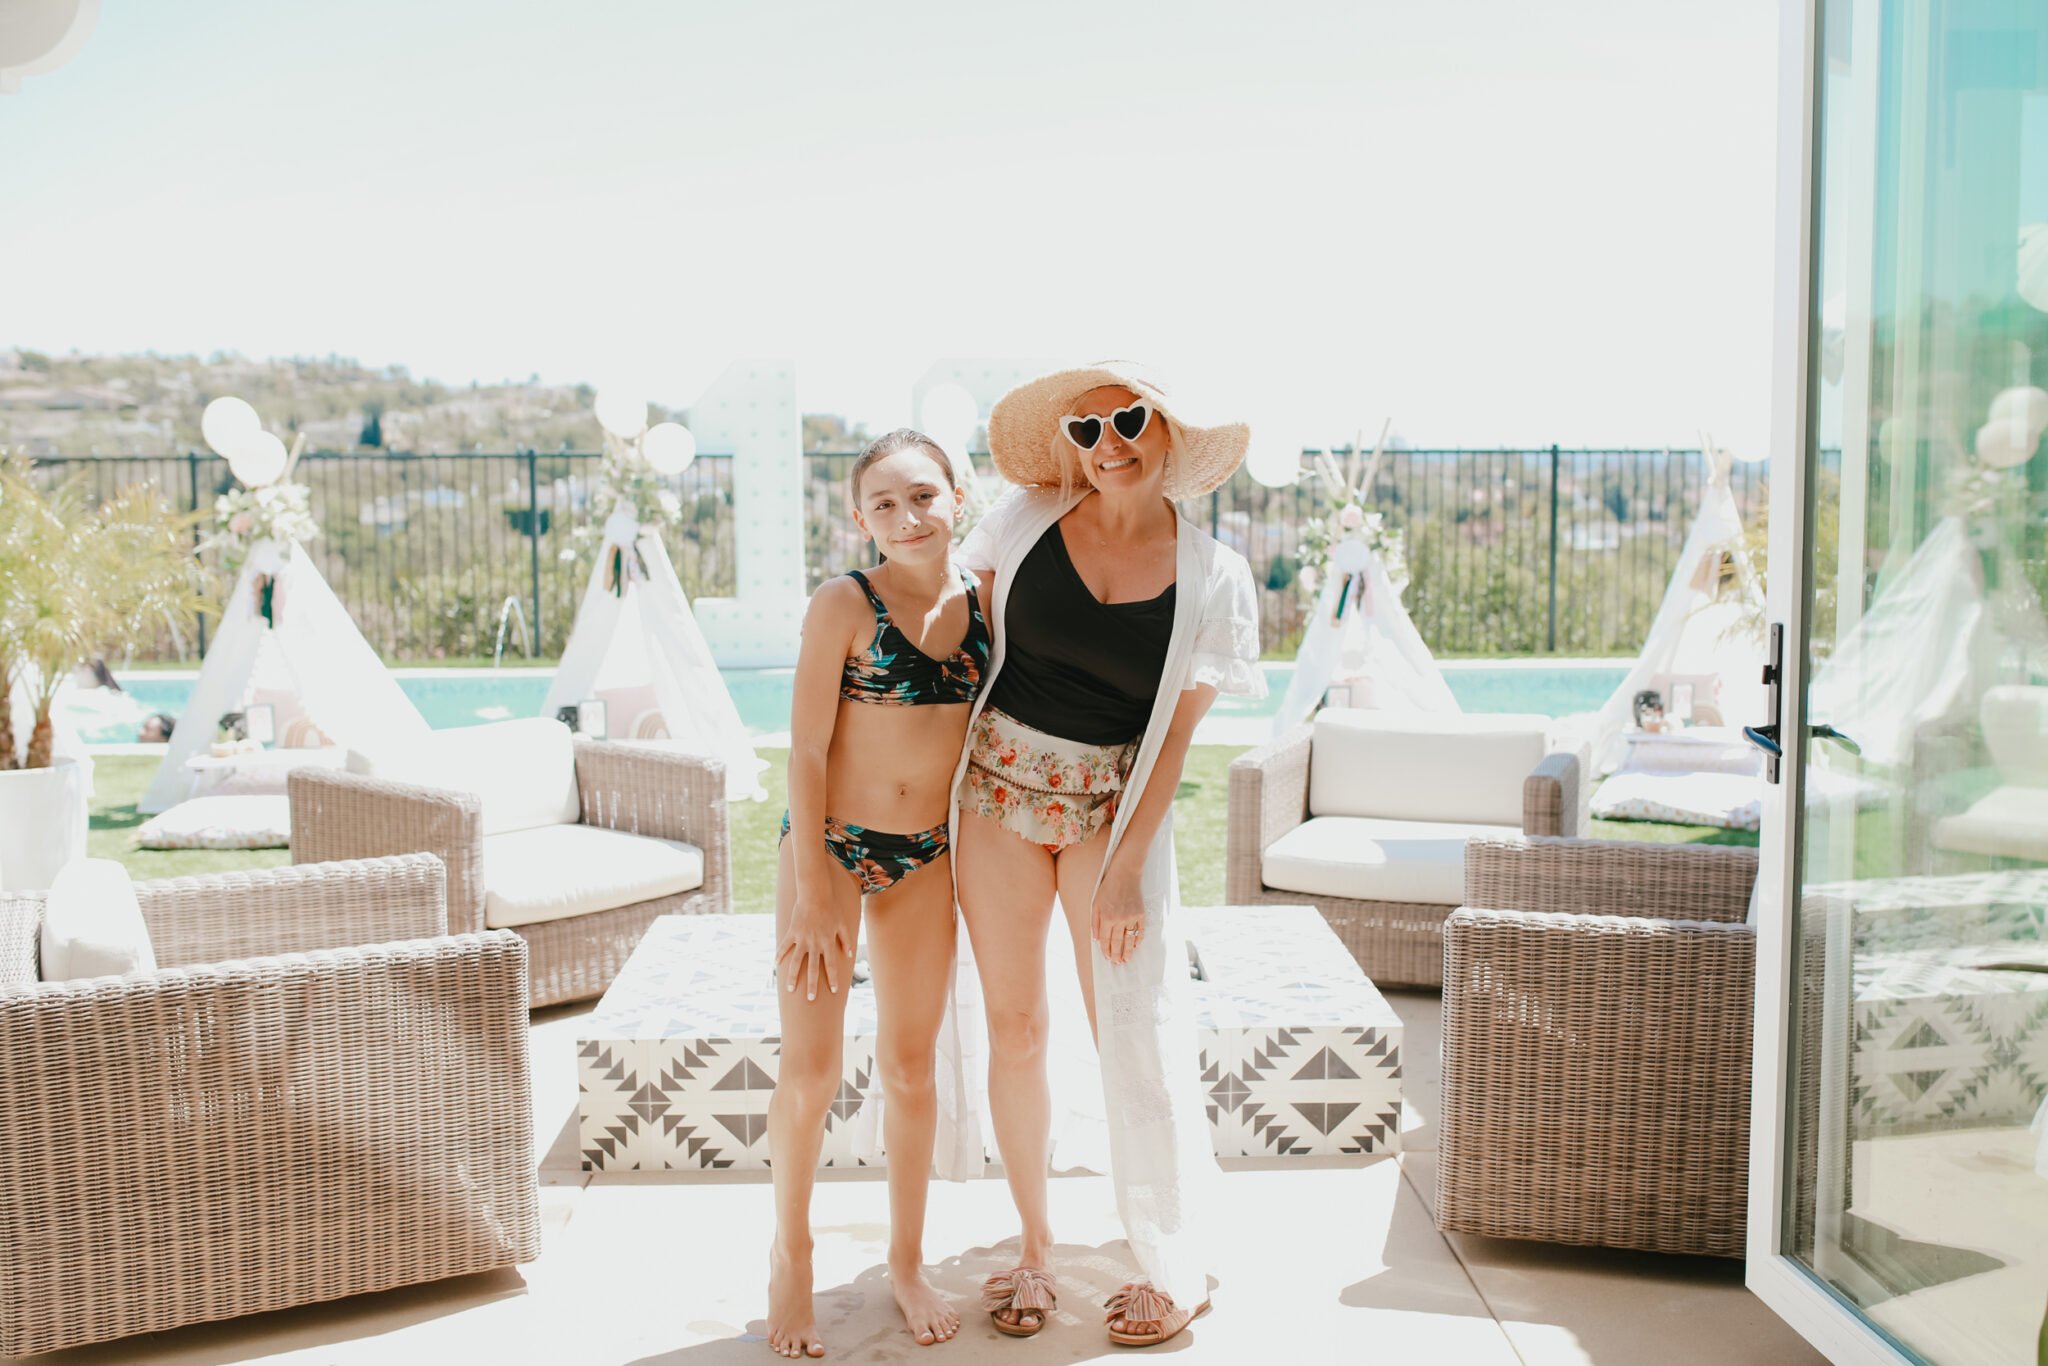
1119,921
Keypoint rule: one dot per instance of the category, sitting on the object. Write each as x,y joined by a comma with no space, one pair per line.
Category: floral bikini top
892,672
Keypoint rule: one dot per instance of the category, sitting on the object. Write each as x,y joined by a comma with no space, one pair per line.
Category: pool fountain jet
512,609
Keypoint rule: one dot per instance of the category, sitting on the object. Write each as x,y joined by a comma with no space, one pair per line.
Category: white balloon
228,421
2026,408
2001,448
623,413
1275,460
950,417
668,448
257,460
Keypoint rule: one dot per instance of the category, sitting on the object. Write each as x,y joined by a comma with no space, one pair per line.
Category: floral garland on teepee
633,494
1340,542
267,508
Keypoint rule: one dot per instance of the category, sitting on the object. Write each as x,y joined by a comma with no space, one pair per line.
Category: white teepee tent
637,648
1361,637
1699,629
1931,642
309,646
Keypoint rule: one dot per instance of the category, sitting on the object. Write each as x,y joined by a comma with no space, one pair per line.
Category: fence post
533,537
1552,647
192,492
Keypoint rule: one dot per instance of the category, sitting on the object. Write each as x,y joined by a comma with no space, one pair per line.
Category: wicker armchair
621,787
1395,942
1596,1069
319,1093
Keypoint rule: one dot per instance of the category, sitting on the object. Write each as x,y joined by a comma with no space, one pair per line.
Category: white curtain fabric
1135,1105
340,681
1696,631
1373,648
1927,647
647,636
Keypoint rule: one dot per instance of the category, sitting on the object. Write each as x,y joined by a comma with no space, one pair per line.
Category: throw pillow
92,924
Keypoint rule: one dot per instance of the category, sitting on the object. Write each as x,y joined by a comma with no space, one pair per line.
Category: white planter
42,822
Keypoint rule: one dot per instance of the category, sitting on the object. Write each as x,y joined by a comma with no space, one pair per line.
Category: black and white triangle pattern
1310,1092
699,1104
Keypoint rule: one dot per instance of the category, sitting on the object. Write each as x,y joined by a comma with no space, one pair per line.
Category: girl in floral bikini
891,661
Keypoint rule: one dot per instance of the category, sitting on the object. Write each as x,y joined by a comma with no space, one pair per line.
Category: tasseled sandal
1149,1315
1027,1290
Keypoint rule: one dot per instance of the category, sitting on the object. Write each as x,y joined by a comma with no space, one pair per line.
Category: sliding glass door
1903,1069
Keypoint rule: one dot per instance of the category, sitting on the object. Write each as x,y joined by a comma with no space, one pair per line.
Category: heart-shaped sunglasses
1129,422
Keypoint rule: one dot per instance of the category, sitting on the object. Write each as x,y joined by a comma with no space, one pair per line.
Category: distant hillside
150,404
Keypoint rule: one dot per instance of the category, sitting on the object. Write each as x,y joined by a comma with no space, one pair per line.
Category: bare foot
792,1324
925,1311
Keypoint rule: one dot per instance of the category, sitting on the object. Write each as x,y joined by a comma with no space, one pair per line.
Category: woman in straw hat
1117,624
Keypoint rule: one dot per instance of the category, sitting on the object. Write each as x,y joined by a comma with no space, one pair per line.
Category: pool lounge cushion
1363,858
220,822
556,872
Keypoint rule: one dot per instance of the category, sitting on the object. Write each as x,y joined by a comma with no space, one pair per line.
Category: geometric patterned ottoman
1300,1055
1943,1038
1944,1041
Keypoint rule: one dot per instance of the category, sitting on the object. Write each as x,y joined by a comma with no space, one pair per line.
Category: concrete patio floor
1341,1263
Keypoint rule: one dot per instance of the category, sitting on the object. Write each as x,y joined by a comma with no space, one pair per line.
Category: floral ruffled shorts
1051,791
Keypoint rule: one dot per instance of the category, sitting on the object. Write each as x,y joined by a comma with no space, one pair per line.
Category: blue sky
1493,222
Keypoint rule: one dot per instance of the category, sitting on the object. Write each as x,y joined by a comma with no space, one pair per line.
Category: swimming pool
468,697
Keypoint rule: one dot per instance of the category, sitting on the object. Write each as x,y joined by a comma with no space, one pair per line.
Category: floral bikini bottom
1043,788
877,859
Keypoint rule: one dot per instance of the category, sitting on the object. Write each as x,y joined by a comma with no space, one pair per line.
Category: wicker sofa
575,846
1596,1045
1366,815
318,1093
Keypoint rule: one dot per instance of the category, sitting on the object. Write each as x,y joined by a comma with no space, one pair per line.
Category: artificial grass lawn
1200,815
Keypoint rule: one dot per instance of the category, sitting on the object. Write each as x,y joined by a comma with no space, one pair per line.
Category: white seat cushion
2008,822
1423,768
1365,858
525,770
553,872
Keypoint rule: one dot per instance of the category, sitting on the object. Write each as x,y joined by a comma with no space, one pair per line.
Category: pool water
468,697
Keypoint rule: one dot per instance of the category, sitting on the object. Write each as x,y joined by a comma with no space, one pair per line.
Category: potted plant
77,582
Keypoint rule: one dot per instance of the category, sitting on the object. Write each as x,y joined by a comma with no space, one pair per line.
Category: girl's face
1117,464
907,506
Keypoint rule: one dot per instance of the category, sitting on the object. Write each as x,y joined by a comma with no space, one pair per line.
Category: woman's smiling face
1120,464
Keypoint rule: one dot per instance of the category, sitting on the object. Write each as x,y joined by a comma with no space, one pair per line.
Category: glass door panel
1917,1181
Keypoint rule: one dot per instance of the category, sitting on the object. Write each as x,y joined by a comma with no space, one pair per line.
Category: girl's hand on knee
817,945
1119,917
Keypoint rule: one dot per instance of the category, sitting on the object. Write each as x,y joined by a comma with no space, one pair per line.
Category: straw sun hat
1025,440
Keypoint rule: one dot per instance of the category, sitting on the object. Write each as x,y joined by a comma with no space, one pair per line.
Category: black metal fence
1510,552
428,551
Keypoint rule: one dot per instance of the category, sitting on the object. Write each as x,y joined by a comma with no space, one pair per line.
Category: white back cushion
2016,732
1423,768
92,924
524,770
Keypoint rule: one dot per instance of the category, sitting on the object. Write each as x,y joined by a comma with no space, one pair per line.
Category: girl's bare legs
1006,895
910,952
807,1079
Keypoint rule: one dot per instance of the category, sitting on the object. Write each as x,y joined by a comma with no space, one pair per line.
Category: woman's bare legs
910,952
1006,895
807,1079
1078,866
